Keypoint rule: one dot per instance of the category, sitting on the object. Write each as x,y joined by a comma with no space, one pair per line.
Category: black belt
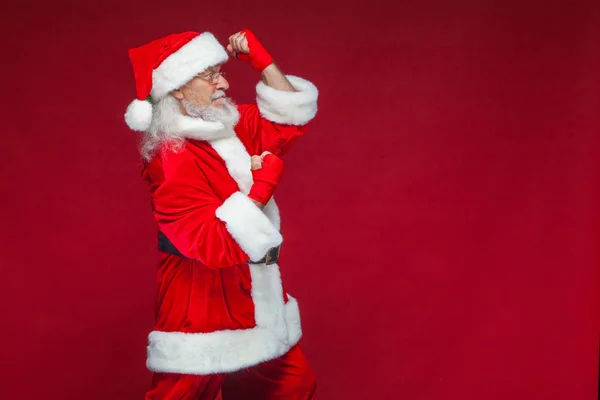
165,245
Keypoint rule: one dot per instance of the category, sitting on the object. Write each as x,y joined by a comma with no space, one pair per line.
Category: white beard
227,114
170,127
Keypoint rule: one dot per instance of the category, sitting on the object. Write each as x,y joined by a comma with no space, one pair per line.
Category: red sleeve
279,117
200,225
265,135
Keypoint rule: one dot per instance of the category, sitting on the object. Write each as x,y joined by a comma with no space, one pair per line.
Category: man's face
205,89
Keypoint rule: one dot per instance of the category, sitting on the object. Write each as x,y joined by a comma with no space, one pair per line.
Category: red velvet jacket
216,313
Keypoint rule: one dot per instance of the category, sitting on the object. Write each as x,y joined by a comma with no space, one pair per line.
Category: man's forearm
273,77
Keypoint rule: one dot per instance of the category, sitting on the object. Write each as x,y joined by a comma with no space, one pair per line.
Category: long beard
227,114
164,130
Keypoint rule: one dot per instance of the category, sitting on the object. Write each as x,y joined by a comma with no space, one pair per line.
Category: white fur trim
271,210
197,128
250,228
277,330
293,320
237,160
139,115
180,67
291,108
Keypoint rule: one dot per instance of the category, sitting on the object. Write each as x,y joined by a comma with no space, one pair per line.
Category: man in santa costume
223,319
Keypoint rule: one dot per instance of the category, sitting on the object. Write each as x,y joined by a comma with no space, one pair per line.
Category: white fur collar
237,160
199,129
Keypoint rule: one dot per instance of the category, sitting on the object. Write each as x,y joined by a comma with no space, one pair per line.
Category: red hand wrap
266,179
258,57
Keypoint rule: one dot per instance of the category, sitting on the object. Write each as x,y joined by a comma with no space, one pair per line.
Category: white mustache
217,95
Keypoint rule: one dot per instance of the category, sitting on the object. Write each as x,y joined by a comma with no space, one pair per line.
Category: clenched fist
246,47
256,162
266,177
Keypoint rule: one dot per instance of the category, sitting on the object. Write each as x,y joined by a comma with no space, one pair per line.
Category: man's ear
178,94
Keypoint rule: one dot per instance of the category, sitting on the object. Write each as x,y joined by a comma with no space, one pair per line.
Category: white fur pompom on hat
166,64
139,115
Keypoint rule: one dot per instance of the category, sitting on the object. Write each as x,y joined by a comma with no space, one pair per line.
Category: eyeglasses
212,77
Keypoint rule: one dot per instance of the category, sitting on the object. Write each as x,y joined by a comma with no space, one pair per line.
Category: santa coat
214,311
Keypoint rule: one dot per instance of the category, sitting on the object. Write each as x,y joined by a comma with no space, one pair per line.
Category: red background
441,215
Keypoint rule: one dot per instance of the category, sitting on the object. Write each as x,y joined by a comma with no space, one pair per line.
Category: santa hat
167,64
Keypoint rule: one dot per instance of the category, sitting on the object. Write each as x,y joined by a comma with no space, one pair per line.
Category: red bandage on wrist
266,179
258,57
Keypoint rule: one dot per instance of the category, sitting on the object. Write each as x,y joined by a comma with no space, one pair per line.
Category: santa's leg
188,387
288,377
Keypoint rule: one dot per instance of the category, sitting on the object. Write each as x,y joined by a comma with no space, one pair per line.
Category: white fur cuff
291,108
249,226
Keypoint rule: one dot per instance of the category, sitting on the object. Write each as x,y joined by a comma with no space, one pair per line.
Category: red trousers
288,377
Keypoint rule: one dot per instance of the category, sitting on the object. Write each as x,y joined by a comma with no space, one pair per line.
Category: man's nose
222,84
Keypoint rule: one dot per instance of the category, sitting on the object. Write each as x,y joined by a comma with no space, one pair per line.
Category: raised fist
246,47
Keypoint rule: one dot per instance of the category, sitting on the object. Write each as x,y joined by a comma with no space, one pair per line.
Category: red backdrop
441,215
